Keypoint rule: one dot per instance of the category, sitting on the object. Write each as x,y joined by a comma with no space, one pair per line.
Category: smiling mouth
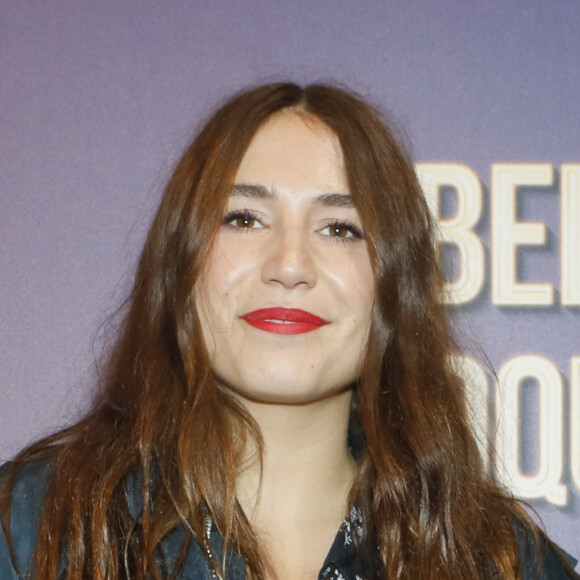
284,320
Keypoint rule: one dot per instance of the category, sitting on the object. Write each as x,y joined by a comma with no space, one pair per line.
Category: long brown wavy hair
427,502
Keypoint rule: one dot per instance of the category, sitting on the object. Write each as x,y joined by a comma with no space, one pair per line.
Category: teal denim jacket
342,562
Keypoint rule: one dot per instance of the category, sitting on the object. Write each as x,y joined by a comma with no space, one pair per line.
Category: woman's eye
343,231
242,220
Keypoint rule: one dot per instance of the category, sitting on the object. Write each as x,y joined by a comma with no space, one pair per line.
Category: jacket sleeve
549,556
28,490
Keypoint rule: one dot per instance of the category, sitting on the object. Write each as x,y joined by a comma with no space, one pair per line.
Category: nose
289,260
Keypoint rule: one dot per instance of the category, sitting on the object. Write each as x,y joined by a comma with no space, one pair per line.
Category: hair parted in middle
428,505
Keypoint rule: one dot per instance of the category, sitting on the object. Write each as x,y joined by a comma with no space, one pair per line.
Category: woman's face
286,298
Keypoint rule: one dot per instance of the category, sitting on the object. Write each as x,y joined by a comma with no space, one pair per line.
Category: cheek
221,288
216,284
228,267
354,280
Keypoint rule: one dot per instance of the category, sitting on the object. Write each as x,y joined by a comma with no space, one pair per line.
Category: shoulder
25,508
547,555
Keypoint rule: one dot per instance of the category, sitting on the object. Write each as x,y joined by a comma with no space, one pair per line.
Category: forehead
297,152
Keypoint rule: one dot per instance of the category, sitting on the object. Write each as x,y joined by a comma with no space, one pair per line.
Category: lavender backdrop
98,99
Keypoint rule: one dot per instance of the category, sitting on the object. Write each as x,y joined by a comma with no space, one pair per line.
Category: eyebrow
247,190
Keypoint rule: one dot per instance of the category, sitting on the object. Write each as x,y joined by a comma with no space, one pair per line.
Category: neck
307,469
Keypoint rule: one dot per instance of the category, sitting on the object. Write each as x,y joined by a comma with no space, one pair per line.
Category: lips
284,320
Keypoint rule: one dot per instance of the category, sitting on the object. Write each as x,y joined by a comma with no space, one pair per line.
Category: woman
282,373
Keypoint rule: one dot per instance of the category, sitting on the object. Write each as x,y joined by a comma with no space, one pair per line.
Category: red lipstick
284,320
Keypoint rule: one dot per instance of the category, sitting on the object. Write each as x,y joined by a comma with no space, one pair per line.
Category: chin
280,392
